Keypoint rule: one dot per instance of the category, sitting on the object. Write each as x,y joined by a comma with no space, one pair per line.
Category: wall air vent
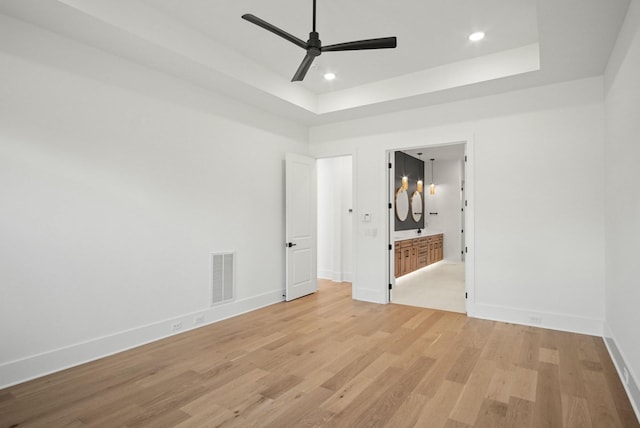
223,287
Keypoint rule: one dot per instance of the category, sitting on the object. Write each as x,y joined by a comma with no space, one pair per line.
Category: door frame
353,216
469,214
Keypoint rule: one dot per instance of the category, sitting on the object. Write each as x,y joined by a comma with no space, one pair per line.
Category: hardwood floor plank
575,412
464,365
229,393
472,398
350,414
351,370
382,409
492,414
548,408
437,411
602,409
571,378
587,350
409,411
519,413
431,383
317,418
500,386
343,397
528,357
313,380
327,360
506,345
524,383
455,424
304,406
165,419
213,417
440,343
276,384
415,321
475,333
550,356
117,417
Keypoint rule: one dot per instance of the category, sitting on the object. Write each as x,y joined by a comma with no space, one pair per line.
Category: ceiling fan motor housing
314,44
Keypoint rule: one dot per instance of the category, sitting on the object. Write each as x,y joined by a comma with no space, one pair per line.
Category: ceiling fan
314,47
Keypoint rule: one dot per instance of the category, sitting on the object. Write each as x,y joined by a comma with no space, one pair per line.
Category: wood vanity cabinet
413,254
439,242
406,256
398,260
423,252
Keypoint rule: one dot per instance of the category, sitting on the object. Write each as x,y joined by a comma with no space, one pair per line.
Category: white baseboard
368,295
34,366
347,277
538,319
325,274
633,392
335,276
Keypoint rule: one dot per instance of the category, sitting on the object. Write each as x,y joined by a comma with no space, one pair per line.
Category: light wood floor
326,360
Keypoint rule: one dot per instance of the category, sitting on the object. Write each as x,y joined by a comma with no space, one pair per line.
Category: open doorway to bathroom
335,220
427,231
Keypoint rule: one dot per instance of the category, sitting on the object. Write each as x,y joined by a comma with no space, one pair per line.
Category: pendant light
419,184
432,187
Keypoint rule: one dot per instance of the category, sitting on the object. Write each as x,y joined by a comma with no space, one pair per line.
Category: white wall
623,200
446,202
335,222
113,200
539,231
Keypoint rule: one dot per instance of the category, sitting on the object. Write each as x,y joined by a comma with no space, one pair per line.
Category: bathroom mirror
416,206
402,204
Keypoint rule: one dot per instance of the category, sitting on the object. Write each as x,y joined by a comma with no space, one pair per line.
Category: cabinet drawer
404,244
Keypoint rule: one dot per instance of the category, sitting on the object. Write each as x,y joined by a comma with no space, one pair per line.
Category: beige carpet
437,286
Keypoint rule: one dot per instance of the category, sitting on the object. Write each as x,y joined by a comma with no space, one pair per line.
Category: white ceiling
430,33
205,42
438,153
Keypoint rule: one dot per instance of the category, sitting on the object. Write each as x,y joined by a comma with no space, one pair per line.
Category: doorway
335,219
427,263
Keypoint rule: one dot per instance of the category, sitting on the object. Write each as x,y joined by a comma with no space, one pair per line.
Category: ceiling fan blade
275,30
304,67
382,43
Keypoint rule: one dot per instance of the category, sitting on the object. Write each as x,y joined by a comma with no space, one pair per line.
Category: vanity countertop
412,234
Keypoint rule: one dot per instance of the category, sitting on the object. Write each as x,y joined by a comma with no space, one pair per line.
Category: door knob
291,244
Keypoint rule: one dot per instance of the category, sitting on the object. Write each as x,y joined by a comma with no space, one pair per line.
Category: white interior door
301,226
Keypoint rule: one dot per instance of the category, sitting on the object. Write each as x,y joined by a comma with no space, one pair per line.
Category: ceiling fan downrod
313,45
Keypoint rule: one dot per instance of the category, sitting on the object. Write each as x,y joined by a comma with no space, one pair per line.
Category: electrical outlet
176,325
625,375
199,319
535,320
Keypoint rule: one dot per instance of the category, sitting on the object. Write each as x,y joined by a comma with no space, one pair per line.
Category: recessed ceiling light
329,76
476,36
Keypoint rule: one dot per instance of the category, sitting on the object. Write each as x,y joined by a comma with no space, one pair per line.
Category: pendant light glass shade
432,187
